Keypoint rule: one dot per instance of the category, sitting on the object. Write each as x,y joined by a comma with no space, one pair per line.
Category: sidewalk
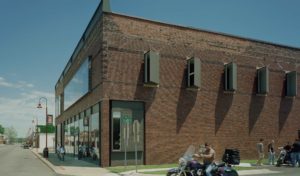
260,170
72,166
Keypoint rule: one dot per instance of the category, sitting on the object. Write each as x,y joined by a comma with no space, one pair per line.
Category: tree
1,129
11,134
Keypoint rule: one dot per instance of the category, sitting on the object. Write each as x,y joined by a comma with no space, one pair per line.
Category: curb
45,161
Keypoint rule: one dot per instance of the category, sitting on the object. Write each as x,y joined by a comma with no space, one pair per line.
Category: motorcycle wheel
233,173
279,162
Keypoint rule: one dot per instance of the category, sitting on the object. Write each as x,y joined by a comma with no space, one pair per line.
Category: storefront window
58,135
116,127
81,129
94,133
76,126
72,136
124,117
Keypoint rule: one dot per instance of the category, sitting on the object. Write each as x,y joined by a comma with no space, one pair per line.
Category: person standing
295,153
260,151
271,152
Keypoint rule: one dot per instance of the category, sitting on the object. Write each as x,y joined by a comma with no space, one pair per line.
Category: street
278,171
16,161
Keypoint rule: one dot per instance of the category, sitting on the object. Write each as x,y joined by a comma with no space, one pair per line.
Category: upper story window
151,69
291,84
194,73
230,77
78,85
57,105
90,73
263,80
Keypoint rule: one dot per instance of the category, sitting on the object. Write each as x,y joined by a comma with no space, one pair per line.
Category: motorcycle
284,157
187,166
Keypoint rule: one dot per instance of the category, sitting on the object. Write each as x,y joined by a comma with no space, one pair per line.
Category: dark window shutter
263,80
291,84
194,73
151,60
230,77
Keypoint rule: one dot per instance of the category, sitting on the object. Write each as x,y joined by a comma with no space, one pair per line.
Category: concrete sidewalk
72,166
260,170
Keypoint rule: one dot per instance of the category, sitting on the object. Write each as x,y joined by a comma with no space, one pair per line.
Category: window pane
78,85
125,116
116,134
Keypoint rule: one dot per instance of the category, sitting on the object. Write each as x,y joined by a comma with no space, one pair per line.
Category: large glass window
76,134
127,130
58,135
67,141
57,106
81,129
78,86
116,133
72,137
94,133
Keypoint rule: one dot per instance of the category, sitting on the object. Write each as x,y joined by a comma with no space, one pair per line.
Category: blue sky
37,38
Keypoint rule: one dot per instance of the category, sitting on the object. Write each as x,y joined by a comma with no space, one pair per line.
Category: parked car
26,146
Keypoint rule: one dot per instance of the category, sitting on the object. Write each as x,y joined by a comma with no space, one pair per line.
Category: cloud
19,111
3,83
18,106
18,85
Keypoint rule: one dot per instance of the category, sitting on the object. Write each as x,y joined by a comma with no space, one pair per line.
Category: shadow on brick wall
186,103
256,106
224,103
142,93
286,105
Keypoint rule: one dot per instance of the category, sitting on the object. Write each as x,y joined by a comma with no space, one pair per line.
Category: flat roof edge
208,31
106,10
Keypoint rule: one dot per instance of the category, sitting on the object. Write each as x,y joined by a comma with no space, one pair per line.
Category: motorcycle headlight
182,162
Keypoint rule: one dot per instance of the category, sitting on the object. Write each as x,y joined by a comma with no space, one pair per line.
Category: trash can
45,152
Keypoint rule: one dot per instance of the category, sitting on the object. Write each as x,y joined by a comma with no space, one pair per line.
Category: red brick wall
177,117
174,116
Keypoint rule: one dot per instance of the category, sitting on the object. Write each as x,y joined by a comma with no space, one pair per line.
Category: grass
156,172
119,169
253,162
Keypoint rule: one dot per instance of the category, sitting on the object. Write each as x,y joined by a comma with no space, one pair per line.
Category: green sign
126,119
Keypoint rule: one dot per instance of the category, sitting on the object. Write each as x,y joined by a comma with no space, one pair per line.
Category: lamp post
45,151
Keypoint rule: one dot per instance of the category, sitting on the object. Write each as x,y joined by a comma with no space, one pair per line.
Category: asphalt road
16,161
280,171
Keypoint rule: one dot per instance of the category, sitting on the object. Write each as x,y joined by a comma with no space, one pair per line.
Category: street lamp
45,151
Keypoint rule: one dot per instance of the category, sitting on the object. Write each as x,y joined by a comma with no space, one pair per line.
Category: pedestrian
62,153
295,153
271,153
260,151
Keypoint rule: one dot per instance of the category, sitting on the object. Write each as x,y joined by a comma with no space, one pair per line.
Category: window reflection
78,86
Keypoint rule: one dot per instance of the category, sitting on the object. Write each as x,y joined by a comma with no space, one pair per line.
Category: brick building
179,85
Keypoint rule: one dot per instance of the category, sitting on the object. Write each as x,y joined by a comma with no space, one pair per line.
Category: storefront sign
49,119
136,131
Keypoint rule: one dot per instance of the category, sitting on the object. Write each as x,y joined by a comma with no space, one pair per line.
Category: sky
38,37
